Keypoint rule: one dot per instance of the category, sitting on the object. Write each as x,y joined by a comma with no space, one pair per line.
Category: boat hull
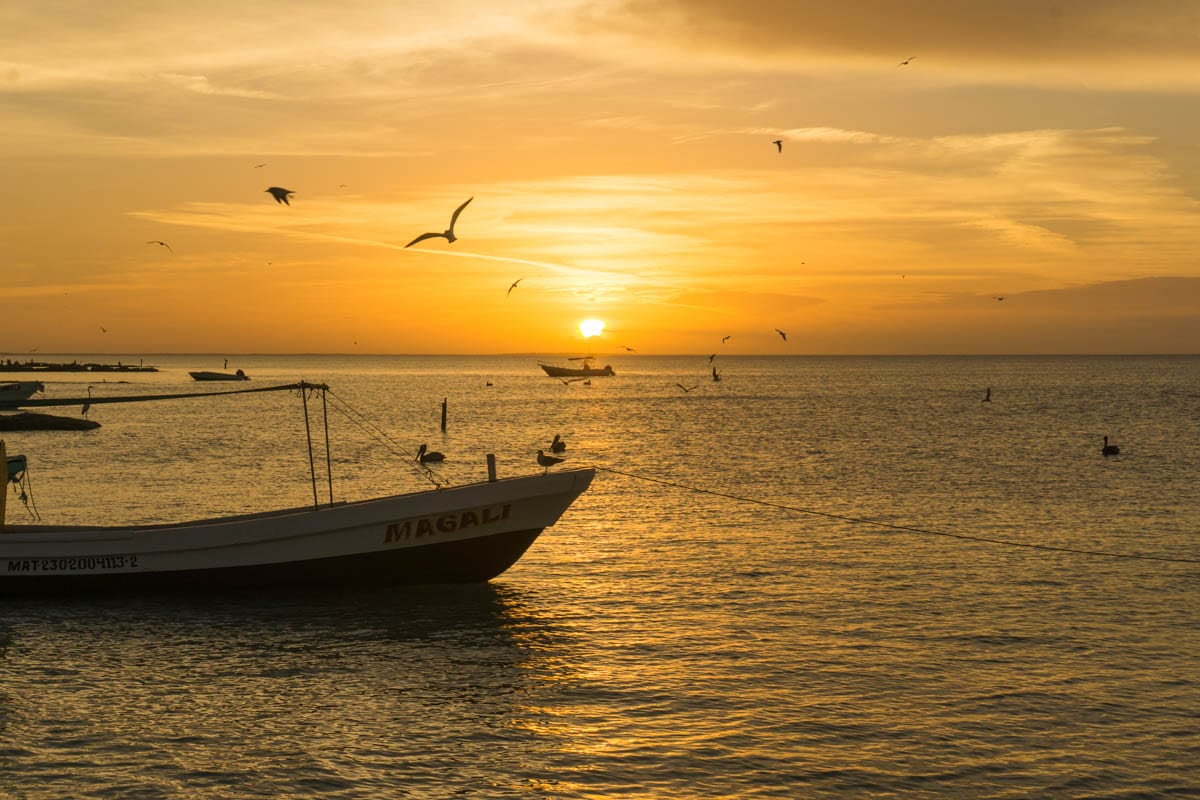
467,534
219,376
577,372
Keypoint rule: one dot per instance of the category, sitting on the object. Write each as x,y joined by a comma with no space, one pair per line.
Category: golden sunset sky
621,162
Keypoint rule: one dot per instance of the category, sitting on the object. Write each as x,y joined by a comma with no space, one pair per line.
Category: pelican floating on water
425,455
558,445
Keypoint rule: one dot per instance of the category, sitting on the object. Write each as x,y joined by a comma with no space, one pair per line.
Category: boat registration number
70,564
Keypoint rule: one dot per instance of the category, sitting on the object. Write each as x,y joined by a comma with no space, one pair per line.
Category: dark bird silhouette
686,389
1109,449
489,383
547,461
161,243
782,335
558,445
103,329
725,339
628,348
425,455
999,298
716,375
778,145
87,405
905,61
987,398
710,358
280,194
514,283
257,166
447,234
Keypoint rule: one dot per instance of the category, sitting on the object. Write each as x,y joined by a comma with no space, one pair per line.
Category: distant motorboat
13,392
584,370
220,376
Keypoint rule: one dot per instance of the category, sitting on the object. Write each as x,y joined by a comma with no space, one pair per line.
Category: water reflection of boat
460,534
584,370
32,421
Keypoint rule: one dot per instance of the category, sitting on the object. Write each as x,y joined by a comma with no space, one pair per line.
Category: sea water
716,617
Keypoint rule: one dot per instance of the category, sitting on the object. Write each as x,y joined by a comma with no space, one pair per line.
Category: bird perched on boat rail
558,445
546,462
447,234
1110,449
425,455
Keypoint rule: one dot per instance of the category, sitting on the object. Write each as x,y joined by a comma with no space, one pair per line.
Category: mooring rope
902,528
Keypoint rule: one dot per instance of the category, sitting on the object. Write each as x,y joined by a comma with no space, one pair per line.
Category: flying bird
725,339
905,61
710,358
257,166
425,455
447,234
103,329
280,194
161,243
628,348
547,461
778,144
558,445
686,389
782,335
514,283
999,298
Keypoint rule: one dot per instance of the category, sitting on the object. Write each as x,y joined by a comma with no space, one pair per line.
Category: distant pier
8,365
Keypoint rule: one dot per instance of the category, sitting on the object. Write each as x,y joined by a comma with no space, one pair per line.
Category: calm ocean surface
657,642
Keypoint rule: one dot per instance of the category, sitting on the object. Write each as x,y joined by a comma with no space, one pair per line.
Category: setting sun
591,327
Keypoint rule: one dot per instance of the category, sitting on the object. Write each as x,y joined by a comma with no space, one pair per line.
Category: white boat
203,375
463,534
584,370
13,392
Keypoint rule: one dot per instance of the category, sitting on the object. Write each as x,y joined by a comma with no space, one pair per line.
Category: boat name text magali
446,523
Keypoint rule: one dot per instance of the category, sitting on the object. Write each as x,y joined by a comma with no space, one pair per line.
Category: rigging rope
365,424
903,528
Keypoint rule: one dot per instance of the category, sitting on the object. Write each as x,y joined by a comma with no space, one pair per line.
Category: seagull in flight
280,194
999,298
782,335
259,166
160,242
514,283
710,358
778,144
630,349
686,389
725,339
447,234
905,61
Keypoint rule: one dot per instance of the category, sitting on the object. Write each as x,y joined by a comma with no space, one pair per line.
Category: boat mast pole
312,466
4,488
328,456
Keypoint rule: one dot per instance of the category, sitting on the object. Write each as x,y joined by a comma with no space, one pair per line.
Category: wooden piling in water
443,415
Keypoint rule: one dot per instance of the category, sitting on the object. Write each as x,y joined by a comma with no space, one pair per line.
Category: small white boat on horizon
13,392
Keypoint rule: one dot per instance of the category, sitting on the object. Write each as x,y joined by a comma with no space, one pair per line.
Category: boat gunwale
10,530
